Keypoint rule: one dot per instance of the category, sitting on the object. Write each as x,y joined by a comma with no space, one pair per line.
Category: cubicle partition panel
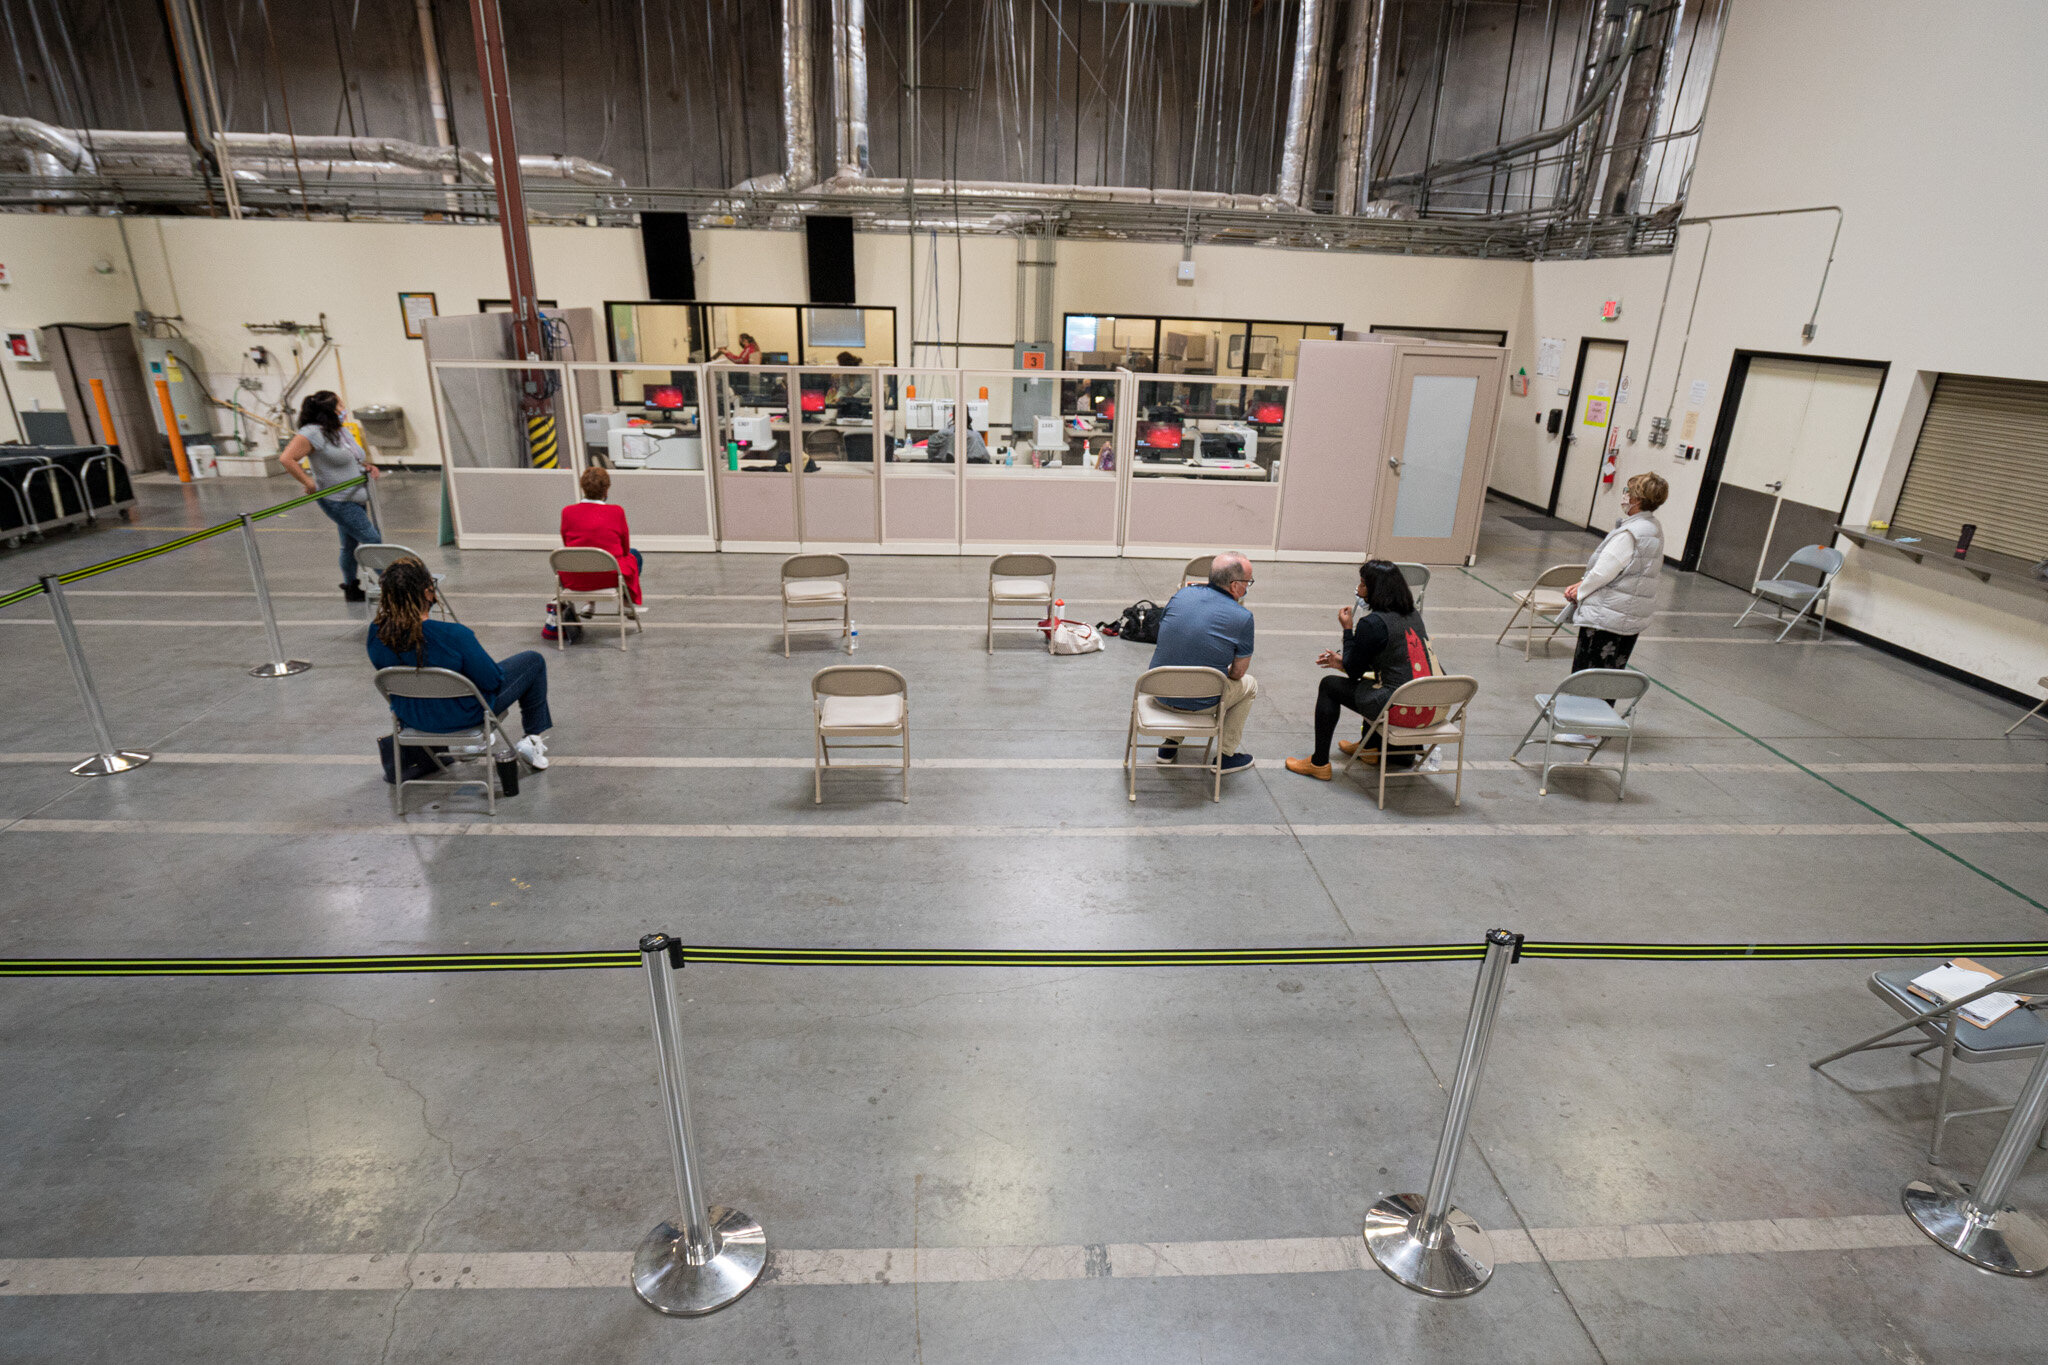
756,490
1208,465
920,482
508,475
839,492
647,427
1051,480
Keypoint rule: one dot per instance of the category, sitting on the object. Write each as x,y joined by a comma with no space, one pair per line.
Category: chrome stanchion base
279,670
665,1279
119,761
1459,1264
2007,1242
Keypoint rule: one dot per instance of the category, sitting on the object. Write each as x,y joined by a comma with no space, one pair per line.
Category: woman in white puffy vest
1618,595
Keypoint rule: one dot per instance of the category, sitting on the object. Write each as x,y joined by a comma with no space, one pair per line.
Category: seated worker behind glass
939,448
403,636
849,389
601,525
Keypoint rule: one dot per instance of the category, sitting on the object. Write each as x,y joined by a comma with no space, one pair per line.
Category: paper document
1949,982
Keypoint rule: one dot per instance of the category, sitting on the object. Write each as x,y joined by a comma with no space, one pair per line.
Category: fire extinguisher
1608,463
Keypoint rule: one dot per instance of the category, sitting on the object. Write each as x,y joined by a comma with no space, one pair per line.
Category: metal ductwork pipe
1005,189
1301,101
52,150
1354,130
1615,56
799,133
849,88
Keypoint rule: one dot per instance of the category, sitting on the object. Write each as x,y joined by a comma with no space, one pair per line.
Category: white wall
50,260
1924,123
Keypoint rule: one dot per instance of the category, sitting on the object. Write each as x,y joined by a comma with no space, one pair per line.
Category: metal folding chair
854,702
373,560
813,583
1451,690
1197,571
588,559
1416,576
440,684
1151,717
2031,714
1545,602
1580,706
1782,592
1021,581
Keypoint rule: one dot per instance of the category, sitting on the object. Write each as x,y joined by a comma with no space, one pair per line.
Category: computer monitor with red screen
665,396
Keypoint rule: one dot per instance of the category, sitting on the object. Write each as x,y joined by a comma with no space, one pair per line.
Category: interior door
1443,423
1587,427
1792,453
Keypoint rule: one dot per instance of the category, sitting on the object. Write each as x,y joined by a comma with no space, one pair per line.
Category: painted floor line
885,1266
542,829
775,628
991,764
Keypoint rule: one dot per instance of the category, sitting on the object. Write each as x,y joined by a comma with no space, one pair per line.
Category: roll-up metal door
1982,460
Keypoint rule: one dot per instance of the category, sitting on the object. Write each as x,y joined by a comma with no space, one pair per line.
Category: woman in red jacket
598,523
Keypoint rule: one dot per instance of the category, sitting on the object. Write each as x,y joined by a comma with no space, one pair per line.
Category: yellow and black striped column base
542,449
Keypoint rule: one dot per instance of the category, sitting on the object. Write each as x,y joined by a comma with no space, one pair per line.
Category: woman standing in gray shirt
325,445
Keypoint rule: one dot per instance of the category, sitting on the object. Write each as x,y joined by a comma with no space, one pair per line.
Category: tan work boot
1307,768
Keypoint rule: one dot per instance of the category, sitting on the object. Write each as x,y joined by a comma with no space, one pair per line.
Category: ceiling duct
849,87
1309,34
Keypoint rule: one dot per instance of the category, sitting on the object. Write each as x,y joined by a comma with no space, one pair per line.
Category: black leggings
1336,695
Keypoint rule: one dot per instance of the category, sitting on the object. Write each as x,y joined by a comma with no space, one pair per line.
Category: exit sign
1610,310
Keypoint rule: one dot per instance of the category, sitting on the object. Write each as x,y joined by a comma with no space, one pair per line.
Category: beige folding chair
1544,600
373,560
858,701
1416,576
2031,714
591,560
1020,581
1151,717
1452,690
440,684
1197,571
813,583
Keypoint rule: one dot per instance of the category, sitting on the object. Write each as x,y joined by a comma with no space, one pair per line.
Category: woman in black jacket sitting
1373,662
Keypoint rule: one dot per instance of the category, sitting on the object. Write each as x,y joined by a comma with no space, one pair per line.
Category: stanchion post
279,666
1975,1222
1420,1239
108,759
718,1253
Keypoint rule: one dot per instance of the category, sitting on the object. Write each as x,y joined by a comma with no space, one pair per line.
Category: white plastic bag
1075,637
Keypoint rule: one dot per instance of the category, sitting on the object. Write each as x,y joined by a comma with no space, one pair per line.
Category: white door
1587,429
1798,432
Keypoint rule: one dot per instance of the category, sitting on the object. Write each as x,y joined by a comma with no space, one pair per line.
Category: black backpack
1140,622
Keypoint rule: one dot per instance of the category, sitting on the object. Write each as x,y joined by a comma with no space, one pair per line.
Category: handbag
1140,622
1073,637
419,761
1422,663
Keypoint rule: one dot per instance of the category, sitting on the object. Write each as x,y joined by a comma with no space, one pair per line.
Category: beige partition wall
646,427
1388,447
499,500
1207,466
756,492
1056,465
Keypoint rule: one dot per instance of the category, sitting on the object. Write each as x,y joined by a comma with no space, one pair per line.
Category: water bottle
549,625
852,638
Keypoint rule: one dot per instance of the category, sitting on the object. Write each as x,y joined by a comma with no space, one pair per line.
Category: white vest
1626,605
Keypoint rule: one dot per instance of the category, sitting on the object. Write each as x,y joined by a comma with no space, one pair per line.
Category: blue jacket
450,646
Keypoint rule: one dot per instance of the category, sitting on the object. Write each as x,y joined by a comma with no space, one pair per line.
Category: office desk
1200,469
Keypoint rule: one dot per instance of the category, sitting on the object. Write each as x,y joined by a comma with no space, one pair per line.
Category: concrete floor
1074,1131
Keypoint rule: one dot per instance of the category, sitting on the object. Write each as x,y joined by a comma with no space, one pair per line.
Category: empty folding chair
1451,695
812,583
1020,581
373,560
858,702
1579,706
1152,718
441,684
1416,576
587,561
1197,571
1544,600
1782,592
2031,714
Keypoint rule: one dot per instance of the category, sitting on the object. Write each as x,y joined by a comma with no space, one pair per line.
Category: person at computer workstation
849,389
1207,625
749,352
939,446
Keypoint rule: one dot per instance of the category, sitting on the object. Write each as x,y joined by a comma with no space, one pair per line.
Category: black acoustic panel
665,241
828,248
1735,537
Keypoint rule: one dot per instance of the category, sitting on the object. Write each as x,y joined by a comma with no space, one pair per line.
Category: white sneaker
635,609
534,749
1587,740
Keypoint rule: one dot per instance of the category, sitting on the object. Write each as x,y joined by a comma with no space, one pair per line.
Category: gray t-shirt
336,460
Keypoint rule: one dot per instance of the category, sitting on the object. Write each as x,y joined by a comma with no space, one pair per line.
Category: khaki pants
1238,695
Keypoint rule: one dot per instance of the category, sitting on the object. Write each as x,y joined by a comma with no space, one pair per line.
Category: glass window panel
876,330
1433,454
1035,424
1206,433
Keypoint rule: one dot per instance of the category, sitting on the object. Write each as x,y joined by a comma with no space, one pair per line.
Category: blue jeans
639,560
526,682
352,519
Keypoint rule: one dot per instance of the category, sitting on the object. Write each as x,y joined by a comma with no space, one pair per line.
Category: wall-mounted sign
1596,411
1610,310
414,308
1549,352
1034,360
24,346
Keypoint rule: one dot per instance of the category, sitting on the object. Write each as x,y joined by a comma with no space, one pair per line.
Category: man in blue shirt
1206,625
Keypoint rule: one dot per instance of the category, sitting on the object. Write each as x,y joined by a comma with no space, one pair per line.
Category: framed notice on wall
414,308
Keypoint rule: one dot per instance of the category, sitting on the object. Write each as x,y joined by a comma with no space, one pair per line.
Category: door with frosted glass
1434,487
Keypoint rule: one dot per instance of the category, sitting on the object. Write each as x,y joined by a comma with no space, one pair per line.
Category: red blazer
603,525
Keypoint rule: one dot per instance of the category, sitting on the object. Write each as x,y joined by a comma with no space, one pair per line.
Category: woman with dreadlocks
402,635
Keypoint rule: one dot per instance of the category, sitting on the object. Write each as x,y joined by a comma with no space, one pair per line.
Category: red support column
497,93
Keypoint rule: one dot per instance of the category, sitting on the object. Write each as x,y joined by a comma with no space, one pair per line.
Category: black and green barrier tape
703,954
193,538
